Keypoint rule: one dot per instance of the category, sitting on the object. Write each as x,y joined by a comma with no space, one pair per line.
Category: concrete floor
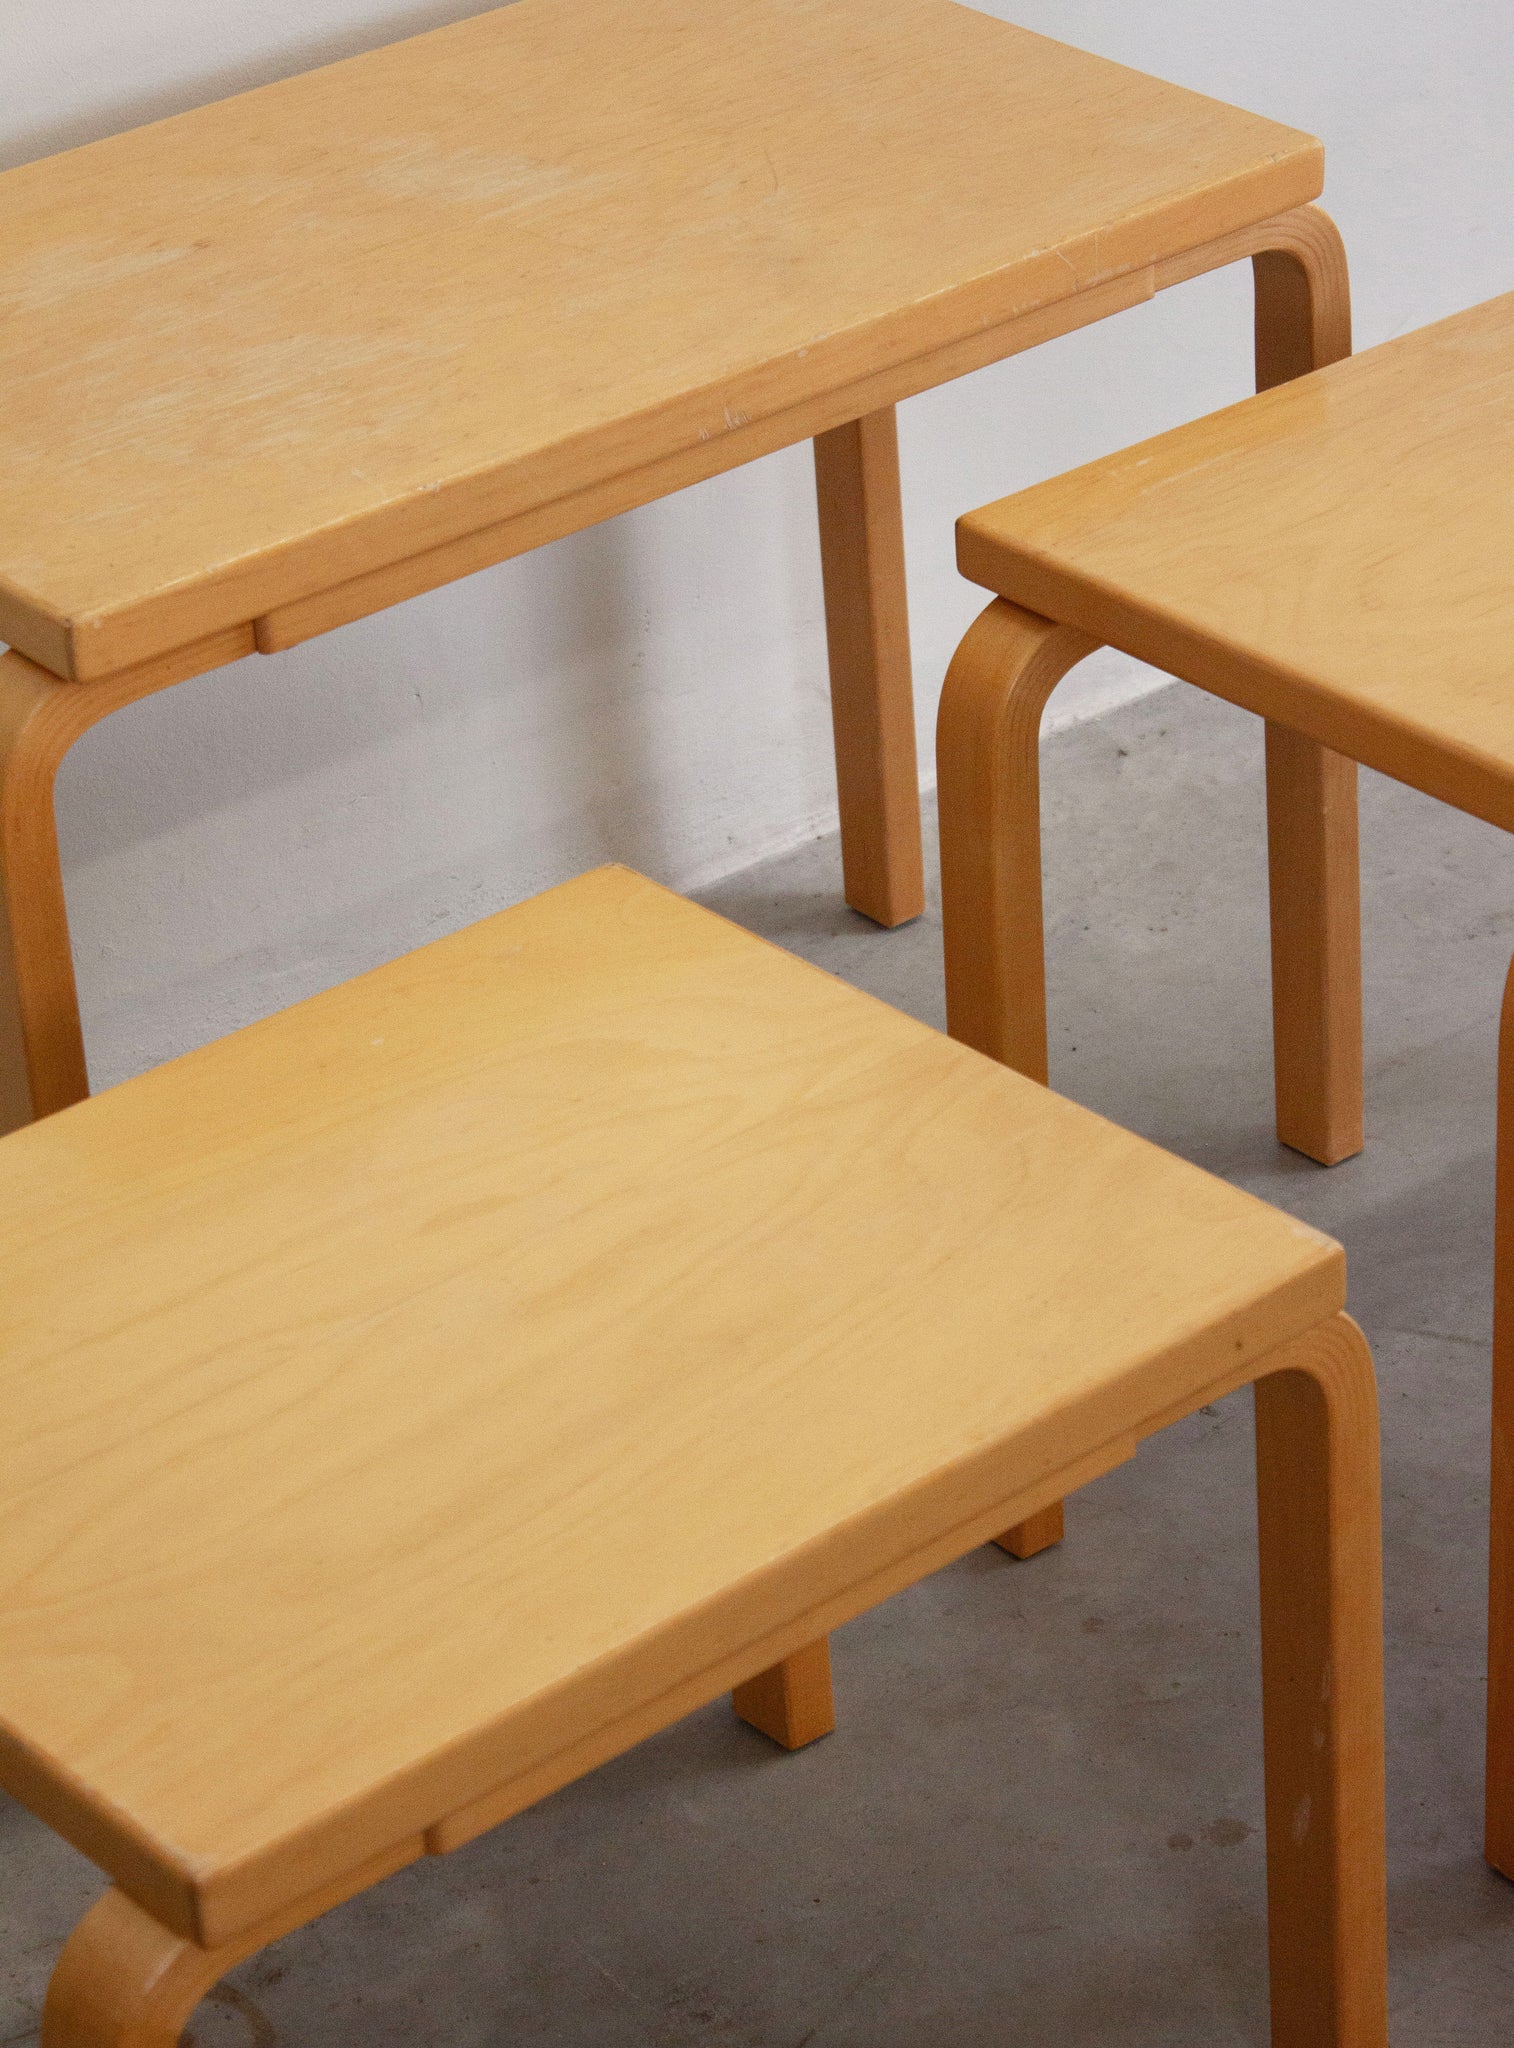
1040,1818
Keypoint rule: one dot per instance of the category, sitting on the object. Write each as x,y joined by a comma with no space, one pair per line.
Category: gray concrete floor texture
1040,1819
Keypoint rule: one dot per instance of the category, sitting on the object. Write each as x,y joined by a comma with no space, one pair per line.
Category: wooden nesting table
419,1397
289,359
1338,557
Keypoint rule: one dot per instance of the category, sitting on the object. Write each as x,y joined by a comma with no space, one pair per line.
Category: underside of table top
288,339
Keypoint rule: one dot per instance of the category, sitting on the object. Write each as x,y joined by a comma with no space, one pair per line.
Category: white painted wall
653,690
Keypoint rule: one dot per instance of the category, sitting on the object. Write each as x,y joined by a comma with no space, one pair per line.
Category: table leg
872,698
41,1045
1303,321
1319,1516
125,1981
791,1702
1498,1845
988,774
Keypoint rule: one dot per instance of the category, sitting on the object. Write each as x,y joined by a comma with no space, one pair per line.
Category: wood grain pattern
1339,562
1279,553
1303,322
41,1047
339,603
42,1064
702,220
602,1224
124,1981
988,776
1303,242
621,1729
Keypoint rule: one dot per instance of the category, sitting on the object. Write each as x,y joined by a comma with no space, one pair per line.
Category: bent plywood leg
791,1702
1303,298
1320,1527
41,1045
125,1981
1498,1843
872,697
988,774
1303,321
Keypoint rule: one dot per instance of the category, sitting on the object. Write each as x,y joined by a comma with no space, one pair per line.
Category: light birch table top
287,340
405,1391
1337,554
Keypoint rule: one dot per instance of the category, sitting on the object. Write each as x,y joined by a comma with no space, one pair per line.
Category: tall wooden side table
289,359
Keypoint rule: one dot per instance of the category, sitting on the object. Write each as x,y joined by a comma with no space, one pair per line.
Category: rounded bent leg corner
125,1981
988,779
42,1065
41,1046
1303,297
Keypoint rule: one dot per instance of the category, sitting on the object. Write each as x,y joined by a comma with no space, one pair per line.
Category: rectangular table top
1337,553
306,333
398,1390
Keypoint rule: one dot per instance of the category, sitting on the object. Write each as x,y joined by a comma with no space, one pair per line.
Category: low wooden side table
289,359
1338,557
340,1355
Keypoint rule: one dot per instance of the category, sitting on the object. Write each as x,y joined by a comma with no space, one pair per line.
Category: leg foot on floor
791,1702
1036,1533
